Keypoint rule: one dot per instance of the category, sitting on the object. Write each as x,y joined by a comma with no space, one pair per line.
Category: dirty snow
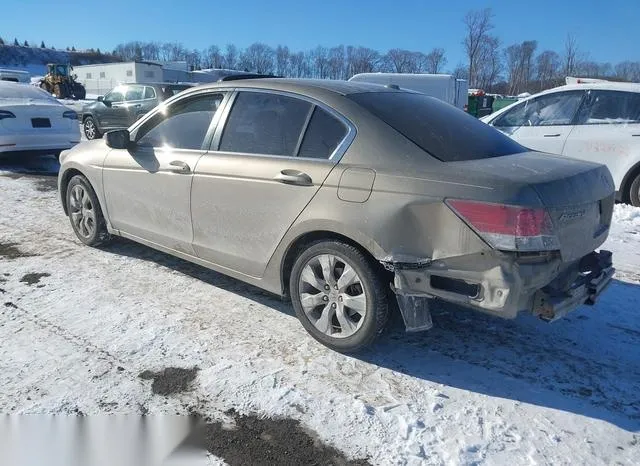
473,390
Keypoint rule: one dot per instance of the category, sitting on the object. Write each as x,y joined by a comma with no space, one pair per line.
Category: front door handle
179,166
294,177
555,135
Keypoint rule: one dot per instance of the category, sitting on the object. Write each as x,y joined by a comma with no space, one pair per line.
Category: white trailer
445,87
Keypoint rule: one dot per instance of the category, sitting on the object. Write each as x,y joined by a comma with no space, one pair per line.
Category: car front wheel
339,296
91,129
85,214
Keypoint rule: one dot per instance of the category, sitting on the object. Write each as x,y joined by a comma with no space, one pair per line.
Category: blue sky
604,30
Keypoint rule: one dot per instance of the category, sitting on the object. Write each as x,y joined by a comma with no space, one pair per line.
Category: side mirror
100,98
119,139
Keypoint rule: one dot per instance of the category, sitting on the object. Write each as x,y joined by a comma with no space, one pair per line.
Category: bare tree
570,55
362,60
299,68
628,71
258,57
489,63
519,63
212,57
547,68
435,61
282,60
336,62
231,57
478,23
320,62
400,61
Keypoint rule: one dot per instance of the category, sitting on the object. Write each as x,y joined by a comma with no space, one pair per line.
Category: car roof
608,86
304,86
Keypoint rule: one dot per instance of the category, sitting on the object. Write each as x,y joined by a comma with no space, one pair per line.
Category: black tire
634,192
97,228
373,287
90,128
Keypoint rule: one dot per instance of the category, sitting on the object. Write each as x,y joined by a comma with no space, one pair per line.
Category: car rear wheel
91,129
339,296
634,193
85,214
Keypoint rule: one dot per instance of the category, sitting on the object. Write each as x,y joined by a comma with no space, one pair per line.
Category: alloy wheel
332,296
82,212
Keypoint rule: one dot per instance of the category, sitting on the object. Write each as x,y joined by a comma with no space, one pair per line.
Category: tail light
72,115
507,227
6,114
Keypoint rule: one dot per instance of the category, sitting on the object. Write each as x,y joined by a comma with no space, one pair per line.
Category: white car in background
591,120
33,122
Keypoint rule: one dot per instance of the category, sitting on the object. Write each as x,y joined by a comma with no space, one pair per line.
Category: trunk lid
28,112
579,196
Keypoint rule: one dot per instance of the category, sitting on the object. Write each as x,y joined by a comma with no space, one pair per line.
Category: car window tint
554,109
442,130
134,93
262,123
183,126
323,135
149,93
611,107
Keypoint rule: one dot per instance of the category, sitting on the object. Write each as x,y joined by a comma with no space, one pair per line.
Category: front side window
323,135
263,123
116,95
183,125
134,93
610,107
554,109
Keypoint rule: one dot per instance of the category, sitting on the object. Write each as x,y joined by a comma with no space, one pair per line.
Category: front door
148,188
542,123
107,112
275,152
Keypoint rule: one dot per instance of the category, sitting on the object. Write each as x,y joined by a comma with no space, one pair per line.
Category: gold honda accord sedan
348,198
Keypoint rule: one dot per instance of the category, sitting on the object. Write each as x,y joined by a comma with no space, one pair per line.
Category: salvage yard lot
80,325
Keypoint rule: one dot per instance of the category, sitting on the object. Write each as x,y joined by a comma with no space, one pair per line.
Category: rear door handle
294,177
555,135
179,166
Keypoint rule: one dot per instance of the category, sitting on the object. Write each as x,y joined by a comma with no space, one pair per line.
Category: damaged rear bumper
501,284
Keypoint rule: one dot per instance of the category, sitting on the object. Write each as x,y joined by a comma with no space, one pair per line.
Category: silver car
346,198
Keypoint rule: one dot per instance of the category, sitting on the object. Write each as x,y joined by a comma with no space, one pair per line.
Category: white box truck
445,87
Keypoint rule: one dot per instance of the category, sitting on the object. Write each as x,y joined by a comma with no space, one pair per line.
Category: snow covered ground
473,390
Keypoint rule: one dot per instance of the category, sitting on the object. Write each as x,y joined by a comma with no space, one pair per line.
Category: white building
101,78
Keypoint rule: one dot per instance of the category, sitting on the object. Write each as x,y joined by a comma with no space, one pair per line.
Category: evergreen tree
15,41
42,46
26,44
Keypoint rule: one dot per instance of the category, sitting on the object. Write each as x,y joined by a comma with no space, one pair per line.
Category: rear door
269,160
608,131
542,123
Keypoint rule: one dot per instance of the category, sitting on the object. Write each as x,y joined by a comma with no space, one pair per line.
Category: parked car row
593,121
344,195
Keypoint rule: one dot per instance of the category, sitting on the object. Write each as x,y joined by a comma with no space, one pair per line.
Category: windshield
442,130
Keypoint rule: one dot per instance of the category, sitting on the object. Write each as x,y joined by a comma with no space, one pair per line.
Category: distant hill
35,59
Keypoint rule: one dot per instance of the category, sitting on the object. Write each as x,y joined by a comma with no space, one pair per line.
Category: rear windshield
442,130
22,91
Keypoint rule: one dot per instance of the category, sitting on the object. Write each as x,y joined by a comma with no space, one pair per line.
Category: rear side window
440,129
610,107
262,123
134,93
554,109
149,93
323,135
184,126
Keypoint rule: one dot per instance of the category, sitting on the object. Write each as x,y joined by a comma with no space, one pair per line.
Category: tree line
489,64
